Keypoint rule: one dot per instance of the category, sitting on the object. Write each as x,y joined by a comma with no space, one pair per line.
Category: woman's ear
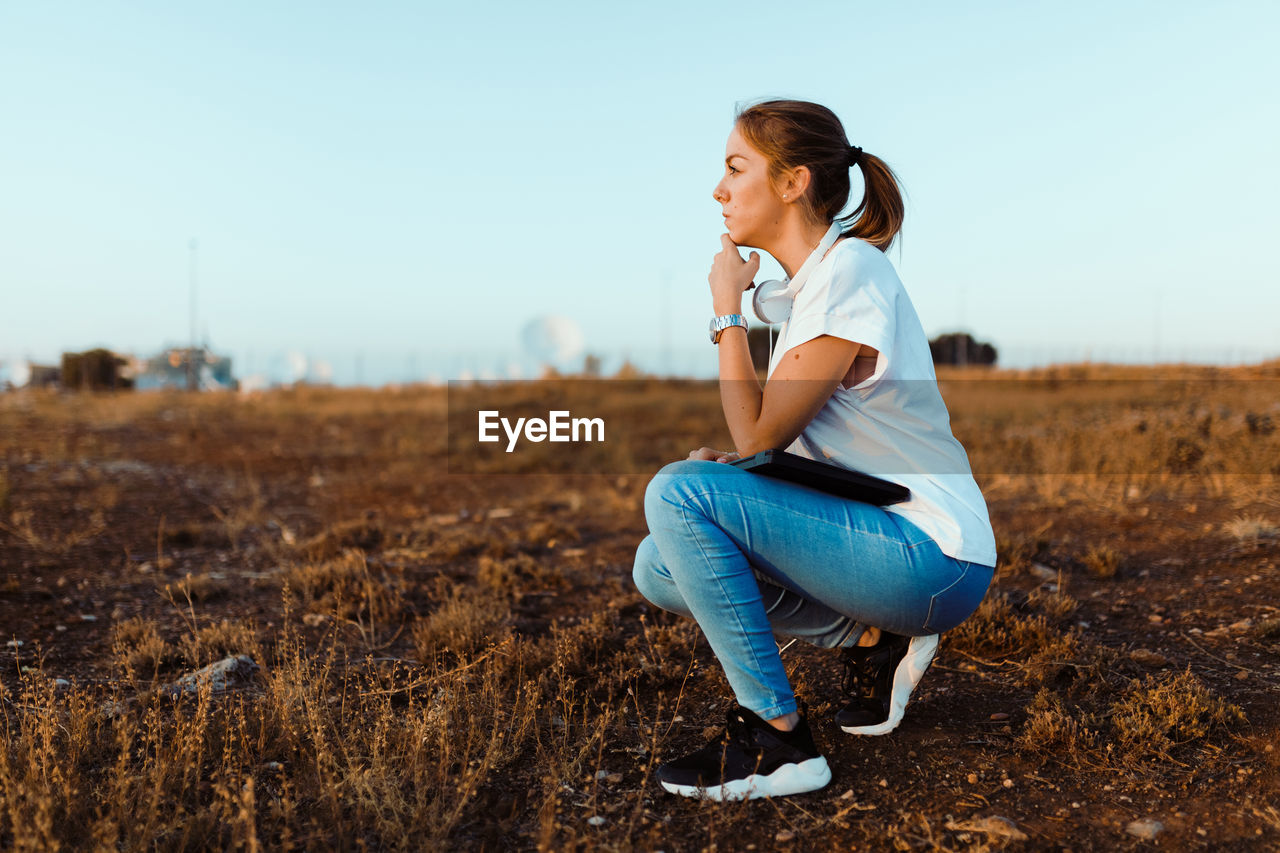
795,183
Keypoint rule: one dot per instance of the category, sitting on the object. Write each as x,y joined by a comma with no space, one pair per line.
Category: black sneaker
879,680
749,759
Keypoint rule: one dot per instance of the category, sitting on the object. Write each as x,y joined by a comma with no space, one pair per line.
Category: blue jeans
748,556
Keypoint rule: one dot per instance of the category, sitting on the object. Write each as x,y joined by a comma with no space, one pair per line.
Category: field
460,660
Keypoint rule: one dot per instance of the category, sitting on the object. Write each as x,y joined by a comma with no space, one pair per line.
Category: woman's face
752,210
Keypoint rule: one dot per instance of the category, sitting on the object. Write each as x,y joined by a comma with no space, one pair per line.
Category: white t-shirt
893,424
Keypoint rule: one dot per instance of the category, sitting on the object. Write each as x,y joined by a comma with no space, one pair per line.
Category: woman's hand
730,276
709,455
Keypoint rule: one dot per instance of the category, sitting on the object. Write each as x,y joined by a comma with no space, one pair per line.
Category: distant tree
961,348
758,346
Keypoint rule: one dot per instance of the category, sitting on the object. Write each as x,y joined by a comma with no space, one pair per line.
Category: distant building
44,376
181,368
96,370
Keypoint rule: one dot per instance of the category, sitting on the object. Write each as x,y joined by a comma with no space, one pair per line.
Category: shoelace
739,733
861,671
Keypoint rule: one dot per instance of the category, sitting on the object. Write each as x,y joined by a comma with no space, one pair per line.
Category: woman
850,382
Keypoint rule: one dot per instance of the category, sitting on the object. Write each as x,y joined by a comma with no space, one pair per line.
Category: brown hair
799,133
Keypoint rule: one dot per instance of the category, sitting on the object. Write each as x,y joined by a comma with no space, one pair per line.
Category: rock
313,620
994,825
1145,828
61,684
1146,657
15,644
220,675
596,820
1043,572
784,835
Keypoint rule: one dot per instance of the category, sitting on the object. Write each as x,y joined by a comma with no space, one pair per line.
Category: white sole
911,669
799,778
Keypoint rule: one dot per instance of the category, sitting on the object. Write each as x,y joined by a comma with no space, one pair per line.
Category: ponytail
881,207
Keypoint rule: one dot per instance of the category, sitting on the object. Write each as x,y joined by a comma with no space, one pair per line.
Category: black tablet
824,477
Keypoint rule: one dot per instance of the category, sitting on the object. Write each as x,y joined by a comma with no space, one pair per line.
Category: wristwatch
724,321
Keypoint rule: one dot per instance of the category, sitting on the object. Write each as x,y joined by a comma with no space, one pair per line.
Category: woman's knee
647,565
675,483
654,580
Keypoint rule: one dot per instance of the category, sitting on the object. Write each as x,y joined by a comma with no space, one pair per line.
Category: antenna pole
191,350
666,324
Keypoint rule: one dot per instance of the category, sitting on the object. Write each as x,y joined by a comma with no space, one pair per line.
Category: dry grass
438,675
1250,528
1168,711
1102,561
218,640
139,648
1051,730
462,624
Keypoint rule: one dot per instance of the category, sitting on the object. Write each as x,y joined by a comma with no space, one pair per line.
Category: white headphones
772,299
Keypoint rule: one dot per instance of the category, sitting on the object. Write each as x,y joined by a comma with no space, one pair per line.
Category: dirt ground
460,661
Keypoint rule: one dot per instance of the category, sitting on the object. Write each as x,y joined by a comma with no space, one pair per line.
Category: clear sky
399,186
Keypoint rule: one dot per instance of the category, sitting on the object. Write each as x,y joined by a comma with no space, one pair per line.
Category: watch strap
725,321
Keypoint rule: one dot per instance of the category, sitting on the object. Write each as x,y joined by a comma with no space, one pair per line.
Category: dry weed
997,630
997,633
1250,528
1268,629
139,649
1055,604
344,586
1166,711
1051,730
218,640
518,573
364,535
464,623
1016,552
246,513
25,527
1102,561
201,588
663,652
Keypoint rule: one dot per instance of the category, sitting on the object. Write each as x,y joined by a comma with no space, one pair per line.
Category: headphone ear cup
771,300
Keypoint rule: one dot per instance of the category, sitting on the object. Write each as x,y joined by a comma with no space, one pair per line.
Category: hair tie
855,155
